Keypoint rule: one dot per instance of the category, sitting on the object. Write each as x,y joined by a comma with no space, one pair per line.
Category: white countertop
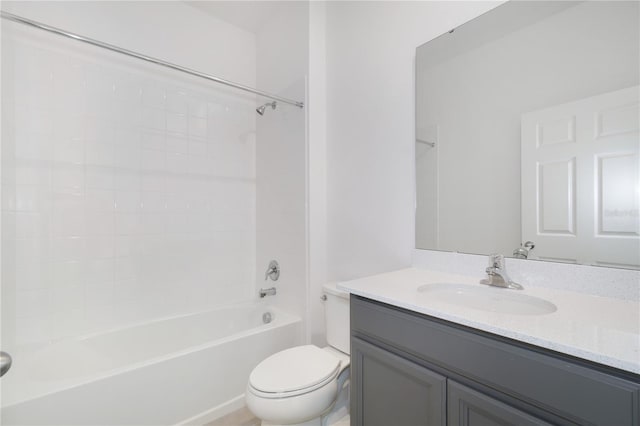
600,329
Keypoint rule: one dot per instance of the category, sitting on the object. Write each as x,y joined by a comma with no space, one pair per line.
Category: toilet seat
294,371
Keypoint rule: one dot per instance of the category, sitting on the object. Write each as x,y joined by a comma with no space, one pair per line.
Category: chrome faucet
267,292
497,274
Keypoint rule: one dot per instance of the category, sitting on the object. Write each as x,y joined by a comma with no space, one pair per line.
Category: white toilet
306,384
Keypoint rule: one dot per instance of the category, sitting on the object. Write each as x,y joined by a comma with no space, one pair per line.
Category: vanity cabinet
398,391
413,369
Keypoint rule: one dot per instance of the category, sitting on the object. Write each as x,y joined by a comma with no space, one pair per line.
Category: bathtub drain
266,317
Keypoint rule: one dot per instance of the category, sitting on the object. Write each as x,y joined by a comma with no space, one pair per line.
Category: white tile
177,144
127,89
100,247
99,82
100,200
101,130
102,108
179,163
152,224
67,323
66,298
198,127
153,140
197,108
35,120
69,151
153,182
67,273
32,198
31,249
67,249
100,318
176,102
197,148
128,201
34,275
69,223
152,118
127,224
33,329
31,303
100,294
27,174
68,126
128,290
127,180
126,268
176,123
28,225
68,176
152,160
100,177
153,201
126,245
31,145
100,223
129,115
100,154
100,270
153,95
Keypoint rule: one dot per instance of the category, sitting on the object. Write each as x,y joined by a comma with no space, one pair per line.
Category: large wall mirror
527,134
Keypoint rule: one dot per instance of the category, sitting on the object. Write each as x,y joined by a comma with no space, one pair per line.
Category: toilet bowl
300,385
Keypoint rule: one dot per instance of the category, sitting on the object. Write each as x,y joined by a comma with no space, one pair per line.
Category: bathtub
187,369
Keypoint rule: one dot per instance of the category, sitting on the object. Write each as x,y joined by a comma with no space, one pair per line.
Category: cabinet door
387,389
466,407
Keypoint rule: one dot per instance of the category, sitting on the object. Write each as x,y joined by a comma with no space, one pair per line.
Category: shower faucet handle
273,271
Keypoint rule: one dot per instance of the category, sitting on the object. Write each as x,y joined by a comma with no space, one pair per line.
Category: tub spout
267,292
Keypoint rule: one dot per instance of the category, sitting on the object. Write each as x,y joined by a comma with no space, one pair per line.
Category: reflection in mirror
527,134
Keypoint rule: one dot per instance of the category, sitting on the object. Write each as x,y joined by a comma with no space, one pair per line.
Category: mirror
527,134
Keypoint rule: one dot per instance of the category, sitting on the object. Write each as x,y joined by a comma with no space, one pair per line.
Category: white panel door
581,180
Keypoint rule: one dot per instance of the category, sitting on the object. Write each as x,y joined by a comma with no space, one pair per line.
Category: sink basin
485,298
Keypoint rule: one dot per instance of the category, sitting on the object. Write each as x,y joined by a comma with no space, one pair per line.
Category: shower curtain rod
54,30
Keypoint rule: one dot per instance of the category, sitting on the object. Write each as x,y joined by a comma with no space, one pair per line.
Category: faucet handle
496,260
273,271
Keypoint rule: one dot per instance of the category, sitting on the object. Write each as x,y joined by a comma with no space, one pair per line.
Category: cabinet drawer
552,383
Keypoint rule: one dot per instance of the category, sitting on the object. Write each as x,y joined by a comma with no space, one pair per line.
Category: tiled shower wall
128,193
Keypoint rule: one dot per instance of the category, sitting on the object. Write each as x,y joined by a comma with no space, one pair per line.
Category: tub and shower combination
129,237
182,370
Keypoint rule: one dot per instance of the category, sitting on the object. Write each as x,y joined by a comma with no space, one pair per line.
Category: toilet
306,385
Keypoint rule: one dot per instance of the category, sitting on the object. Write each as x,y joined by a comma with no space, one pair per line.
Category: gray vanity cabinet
412,369
395,391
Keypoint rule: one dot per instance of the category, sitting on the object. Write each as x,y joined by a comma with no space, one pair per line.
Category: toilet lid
294,369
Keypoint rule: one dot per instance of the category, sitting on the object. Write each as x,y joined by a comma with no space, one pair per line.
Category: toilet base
337,414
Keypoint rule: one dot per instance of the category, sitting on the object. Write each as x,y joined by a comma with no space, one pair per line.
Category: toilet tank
337,318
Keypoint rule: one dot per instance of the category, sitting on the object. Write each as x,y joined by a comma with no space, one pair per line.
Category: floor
243,417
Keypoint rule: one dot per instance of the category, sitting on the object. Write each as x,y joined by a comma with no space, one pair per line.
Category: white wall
128,192
370,127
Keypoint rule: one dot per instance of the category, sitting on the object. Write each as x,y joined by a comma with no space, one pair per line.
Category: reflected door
581,180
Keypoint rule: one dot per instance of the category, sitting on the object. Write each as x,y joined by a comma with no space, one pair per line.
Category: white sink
486,298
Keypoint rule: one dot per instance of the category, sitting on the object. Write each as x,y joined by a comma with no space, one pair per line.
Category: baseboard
215,412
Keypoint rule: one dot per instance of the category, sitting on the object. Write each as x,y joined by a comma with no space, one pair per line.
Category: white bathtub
186,369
